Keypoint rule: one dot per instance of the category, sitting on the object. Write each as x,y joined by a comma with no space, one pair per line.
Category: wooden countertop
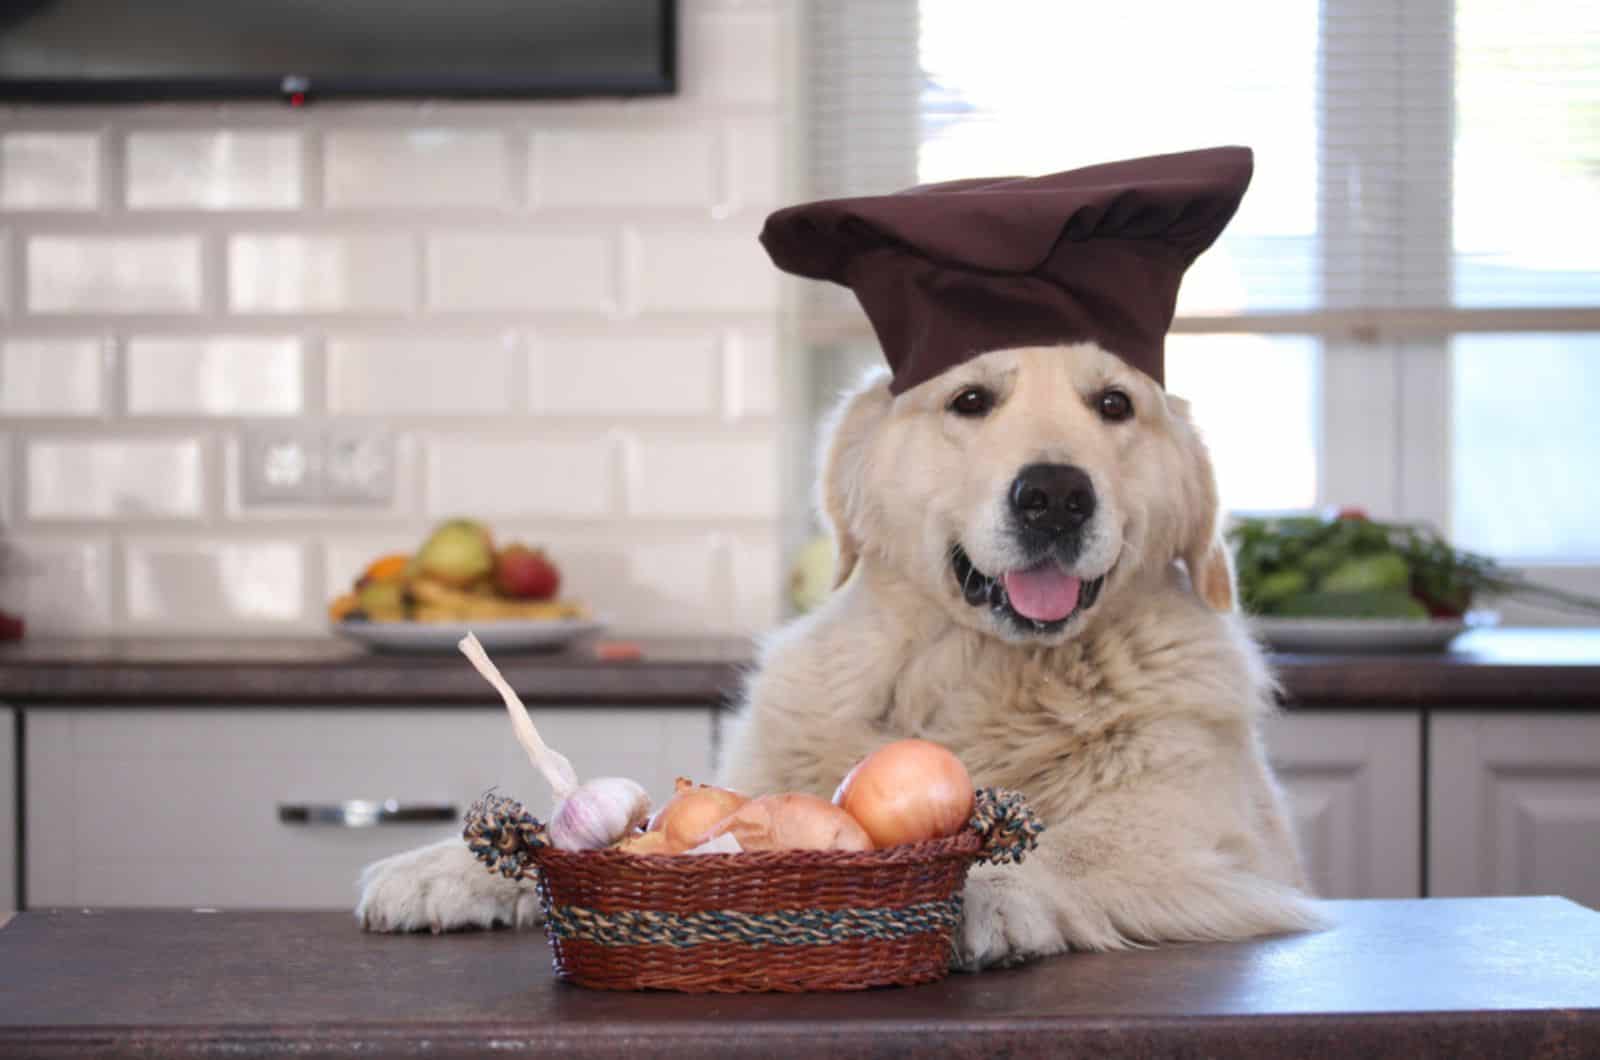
1543,668
1438,977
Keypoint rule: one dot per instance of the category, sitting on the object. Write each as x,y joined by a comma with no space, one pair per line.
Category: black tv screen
305,49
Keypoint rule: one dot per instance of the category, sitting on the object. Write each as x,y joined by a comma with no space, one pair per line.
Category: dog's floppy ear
844,450
1202,548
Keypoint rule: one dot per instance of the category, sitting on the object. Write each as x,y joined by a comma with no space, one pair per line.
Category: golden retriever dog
1031,573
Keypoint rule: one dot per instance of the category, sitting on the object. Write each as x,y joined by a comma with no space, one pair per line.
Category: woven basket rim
964,844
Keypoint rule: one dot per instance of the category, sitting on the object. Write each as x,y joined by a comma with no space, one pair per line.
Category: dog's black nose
1052,498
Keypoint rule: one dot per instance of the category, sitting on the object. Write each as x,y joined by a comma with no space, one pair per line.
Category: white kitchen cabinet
1514,805
1354,783
8,811
180,807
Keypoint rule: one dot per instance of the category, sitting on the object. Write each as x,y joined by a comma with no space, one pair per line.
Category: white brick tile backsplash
755,164
59,586
702,478
51,377
489,271
757,584
305,273
667,375
218,375
631,168
113,274
206,585
557,313
467,375
753,372
49,171
703,270
488,478
416,167
213,170
732,56
108,478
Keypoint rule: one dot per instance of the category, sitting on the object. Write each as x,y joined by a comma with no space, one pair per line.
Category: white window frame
1385,434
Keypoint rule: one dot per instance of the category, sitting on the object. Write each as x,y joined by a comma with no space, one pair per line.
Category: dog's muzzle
1034,600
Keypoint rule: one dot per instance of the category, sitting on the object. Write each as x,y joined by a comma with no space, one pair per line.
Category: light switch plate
290,465
358,465
279,465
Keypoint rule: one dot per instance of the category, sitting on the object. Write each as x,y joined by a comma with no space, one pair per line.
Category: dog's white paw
441,887
1004,921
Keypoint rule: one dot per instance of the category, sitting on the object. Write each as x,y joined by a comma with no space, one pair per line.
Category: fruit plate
505,635
1366,635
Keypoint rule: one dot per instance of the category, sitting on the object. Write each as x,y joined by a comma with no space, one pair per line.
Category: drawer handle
365,813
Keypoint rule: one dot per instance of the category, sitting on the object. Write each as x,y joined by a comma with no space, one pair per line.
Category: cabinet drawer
181,807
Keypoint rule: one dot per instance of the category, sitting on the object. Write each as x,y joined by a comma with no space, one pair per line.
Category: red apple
525,573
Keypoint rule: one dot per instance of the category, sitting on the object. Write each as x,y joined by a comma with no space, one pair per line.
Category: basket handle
503,835
1007,823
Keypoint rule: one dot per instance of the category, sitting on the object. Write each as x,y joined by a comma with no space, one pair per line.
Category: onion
907,792
792,822
690,813
646,843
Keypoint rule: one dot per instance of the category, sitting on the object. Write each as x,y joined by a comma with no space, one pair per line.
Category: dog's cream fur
1133,730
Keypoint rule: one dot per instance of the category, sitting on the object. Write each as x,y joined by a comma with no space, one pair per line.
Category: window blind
1429,166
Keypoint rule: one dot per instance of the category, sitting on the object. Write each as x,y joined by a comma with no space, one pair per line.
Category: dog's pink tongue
1044,593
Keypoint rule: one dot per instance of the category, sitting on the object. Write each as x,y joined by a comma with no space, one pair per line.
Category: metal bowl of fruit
1345,582
460,581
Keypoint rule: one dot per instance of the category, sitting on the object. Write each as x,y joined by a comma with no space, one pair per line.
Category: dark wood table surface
1486,977
1548,669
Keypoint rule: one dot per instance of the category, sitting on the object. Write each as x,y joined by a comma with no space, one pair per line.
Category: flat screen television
114,50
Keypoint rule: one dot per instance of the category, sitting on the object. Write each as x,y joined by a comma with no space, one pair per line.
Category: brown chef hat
948,271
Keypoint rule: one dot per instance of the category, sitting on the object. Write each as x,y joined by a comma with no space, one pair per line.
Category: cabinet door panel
180,807
1353,780
1515,805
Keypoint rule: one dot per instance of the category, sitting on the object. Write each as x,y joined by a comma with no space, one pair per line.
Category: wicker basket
772,920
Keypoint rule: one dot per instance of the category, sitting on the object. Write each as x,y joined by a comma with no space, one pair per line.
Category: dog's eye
1114,405
973,401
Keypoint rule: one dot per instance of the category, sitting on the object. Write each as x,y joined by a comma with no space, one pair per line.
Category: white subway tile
215,375
481,271
6,481
755,163
321,273
703,269
405,375
754,373
49,171
59,587
704,479
114,478
651,584
758,578
417,167
220,170
665,375
732,56
203,585
485,478
113,274
632,168
50,377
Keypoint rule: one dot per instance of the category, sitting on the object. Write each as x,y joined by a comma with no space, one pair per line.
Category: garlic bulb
598,814
586,816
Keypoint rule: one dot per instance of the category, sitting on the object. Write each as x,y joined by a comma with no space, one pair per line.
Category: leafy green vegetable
1352,566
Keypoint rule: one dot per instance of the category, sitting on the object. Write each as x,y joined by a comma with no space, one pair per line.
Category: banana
441,603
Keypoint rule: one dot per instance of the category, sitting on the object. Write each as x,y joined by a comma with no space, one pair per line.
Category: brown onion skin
908,791
792,821
690,813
